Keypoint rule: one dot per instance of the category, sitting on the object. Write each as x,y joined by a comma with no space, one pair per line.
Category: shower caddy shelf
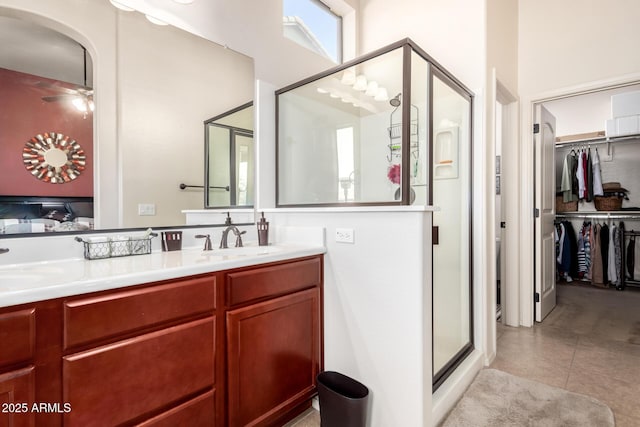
395,135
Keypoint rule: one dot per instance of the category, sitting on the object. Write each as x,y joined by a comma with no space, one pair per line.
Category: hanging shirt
589,176
580,175
568,175
586,230
612,271
597,176
636,261
604,248
582,260
631,256
596,258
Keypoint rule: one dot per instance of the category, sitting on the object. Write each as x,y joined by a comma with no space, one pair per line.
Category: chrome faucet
207,241
5,250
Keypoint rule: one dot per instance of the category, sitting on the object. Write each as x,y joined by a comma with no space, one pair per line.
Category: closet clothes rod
594,141
617,215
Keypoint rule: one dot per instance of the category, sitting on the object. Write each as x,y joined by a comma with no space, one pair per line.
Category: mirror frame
232,169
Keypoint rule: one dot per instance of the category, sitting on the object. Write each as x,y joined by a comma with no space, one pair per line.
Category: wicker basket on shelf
607,203
561,206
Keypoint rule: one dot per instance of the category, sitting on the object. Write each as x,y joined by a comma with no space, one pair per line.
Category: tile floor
309,418
589,344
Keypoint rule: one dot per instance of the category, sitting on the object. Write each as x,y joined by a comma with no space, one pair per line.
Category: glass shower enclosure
390,128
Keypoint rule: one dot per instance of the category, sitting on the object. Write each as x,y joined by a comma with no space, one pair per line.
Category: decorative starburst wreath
54,158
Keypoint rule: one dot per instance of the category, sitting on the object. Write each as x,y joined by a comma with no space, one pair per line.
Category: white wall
501,72
377,303
253,28
566,47
564,44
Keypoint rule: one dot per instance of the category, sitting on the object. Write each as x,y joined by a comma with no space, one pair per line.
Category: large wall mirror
146,90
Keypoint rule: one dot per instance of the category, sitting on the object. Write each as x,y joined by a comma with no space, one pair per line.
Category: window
313,25
346,166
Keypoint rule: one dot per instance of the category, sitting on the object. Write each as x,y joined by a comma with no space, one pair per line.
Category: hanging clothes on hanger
612,271
619,241
586,232
580,177
589,176
597,175
568,178
604,248
582,257
631,257
636,260
596,258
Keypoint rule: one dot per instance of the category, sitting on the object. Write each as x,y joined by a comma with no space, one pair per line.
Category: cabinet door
17,394
273,351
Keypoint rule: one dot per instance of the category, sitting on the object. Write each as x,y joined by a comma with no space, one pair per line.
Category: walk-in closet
597,179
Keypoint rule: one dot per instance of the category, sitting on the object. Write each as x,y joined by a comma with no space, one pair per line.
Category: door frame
527,183
510,205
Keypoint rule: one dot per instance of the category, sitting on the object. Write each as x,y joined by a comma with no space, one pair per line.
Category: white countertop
38,281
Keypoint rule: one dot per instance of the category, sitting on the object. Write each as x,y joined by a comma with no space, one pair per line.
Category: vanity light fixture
361,83
348,77
322,90
382,95
334,94
121,6
155,20
372,88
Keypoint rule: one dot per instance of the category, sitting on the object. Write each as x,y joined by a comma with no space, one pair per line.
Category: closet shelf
594,140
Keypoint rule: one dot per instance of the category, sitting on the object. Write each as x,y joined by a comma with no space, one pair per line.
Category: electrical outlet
146,209
344,235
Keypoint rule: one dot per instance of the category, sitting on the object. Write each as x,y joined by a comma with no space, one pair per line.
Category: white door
544,142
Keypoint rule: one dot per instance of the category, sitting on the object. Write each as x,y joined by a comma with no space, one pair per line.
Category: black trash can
343,401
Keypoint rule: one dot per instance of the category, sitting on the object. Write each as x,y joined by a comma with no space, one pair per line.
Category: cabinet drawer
260,283
94,318
18,336
118,382
197,412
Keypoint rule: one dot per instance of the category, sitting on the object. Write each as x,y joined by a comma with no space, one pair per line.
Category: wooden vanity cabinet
231,348
274,341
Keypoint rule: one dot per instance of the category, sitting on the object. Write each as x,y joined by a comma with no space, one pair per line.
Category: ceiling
36,50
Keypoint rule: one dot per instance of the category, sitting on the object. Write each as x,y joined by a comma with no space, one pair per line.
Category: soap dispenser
263,231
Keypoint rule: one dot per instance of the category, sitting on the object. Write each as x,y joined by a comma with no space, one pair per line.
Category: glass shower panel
451,163
334,136
219,151
419,149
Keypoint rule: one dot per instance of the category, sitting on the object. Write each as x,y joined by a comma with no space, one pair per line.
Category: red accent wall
23,114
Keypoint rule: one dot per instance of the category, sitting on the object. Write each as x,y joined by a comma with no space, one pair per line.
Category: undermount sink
248,251
15,278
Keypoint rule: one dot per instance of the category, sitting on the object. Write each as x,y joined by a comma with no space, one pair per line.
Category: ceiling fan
81,96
